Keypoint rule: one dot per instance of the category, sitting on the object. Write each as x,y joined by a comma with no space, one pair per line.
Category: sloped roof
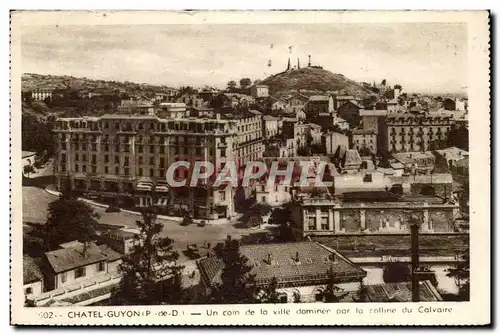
401,292
314,262
352,157
62,260
28,154
318,98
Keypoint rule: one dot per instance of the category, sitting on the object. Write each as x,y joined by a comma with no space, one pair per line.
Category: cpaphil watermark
295,173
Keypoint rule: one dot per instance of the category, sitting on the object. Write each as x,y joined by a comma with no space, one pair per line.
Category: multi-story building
366,139
334,140
319,104
323,216
270,126
41,94
259,91
417,132
126,157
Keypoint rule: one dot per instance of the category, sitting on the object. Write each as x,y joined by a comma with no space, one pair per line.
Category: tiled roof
409,157
31,270
28,154
318,98
352,157
314,262
62,260
401,292
453,153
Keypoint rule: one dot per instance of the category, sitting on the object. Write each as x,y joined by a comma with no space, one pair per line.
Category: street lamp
414,223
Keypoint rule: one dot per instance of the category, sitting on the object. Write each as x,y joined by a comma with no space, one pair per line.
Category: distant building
41,93
373,212
349,111
364,139
319,104
417,132
269,126
295,103
335,140
450,156
32,277
416,162
339,100
300,268
259,91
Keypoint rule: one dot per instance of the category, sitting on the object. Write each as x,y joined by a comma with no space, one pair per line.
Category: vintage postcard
250,168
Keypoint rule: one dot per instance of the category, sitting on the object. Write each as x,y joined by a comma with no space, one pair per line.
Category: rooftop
453,153
318,98
410,157
291,263
401,292
62,260
28,154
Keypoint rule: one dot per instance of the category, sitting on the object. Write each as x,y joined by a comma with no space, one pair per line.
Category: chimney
298,63
415,284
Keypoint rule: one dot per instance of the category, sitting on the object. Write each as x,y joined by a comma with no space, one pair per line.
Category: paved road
36,201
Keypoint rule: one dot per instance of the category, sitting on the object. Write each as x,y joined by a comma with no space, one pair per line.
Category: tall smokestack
415,284
309,64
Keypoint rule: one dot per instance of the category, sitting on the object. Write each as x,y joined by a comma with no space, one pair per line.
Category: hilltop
30,81
314,79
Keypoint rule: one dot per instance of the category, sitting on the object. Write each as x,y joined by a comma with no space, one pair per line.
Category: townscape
102,226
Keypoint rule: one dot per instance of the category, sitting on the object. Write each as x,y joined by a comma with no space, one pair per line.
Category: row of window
82,272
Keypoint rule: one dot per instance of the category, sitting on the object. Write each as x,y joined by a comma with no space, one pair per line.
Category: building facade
335,140
364,139
259,91
41,94
417,132
125,157
320,216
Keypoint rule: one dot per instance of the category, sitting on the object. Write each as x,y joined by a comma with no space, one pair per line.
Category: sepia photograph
234,163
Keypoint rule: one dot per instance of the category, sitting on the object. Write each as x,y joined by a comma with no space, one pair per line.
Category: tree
69,219
271,295
28,169
245,82
398,87
458,137
237,283
365,152
151,275
231,85
332,292
396,273
461,274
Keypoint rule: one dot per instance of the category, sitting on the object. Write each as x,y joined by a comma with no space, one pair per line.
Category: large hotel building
126,156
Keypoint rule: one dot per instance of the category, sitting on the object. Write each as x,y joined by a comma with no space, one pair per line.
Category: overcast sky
421,57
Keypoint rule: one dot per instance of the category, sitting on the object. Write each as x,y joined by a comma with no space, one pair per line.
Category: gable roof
352,158
315,260
65,259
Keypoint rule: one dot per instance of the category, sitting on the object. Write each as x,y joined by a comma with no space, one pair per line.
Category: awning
161,187
144,186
